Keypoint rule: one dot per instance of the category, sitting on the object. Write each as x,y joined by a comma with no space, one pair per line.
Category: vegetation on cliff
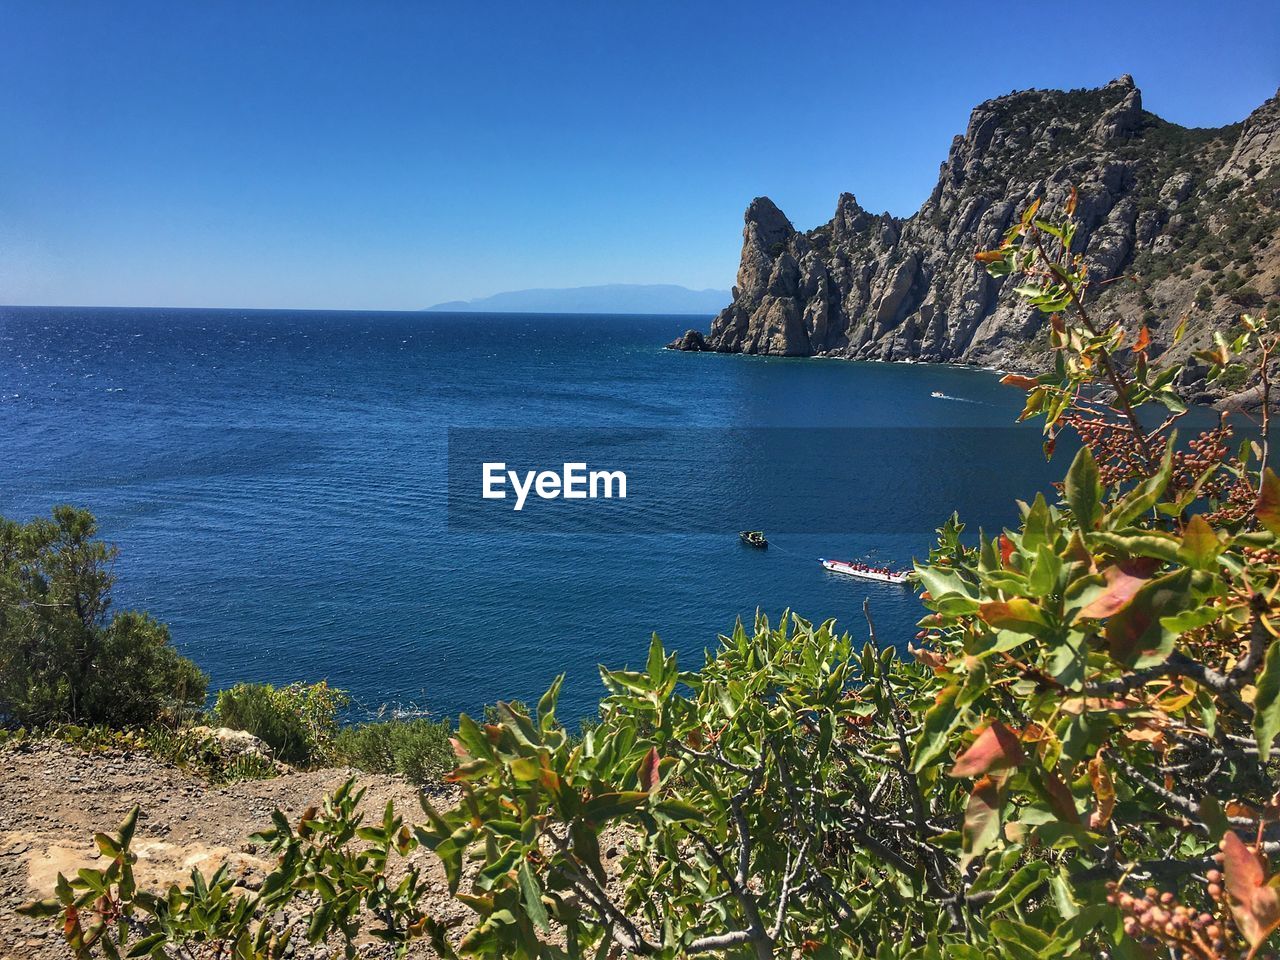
1184,221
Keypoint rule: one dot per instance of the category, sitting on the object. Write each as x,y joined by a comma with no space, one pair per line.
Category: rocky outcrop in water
1193,215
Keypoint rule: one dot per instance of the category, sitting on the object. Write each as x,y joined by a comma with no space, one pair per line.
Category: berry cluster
1155,917
1114,446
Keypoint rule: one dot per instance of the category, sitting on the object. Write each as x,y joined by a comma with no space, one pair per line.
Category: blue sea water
277,484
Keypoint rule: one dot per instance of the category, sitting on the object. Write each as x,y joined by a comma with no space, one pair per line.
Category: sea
298,494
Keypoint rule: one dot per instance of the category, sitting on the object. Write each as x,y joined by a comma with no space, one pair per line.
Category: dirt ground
54,797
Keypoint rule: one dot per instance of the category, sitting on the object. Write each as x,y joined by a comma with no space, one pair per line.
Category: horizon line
414,310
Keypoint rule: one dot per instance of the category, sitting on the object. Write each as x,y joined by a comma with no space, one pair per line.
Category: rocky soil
54,797
1189,217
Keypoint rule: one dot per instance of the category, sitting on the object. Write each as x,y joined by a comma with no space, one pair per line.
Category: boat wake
939,395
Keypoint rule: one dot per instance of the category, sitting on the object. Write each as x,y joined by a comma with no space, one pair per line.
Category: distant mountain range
607,298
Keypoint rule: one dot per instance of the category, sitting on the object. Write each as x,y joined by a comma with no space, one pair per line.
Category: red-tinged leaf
1144,340
549,779
996,748
1136,630
468,771
930,658
1057,323
1072,201
1006,550
1018,614
1123,581
981,819
1254,903
650,774
1267,508
1017,380
1059,796
459,748
1104,792
989,256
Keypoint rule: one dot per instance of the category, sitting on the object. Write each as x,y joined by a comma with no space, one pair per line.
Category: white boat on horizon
862,573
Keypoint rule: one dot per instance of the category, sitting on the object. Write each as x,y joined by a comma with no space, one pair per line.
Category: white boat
851,570
940,395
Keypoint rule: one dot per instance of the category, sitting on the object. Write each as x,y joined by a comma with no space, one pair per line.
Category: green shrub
417,749
64,657
493,713
298,721
1247,297
1233,379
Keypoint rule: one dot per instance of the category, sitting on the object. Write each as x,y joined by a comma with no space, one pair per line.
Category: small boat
863,572
754,538
939,394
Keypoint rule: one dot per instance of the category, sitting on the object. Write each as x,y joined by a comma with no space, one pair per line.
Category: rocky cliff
1173,221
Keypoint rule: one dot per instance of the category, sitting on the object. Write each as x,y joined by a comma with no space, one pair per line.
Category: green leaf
145,946
525,769
1036,525
942,583
107,845
532,897
1025,881
677,810
656,661
605,807
1143,498
547,705
939,721
127,826
1043,578
1266,703
1200,546
1063,896
1083,489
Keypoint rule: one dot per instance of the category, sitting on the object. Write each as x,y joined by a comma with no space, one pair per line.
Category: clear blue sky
392,155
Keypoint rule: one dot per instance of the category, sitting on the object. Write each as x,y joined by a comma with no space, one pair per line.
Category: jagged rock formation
1193,214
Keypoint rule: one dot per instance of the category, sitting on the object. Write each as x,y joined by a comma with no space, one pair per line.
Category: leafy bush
1078,760
64,657
299,721
1247,297
418,749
